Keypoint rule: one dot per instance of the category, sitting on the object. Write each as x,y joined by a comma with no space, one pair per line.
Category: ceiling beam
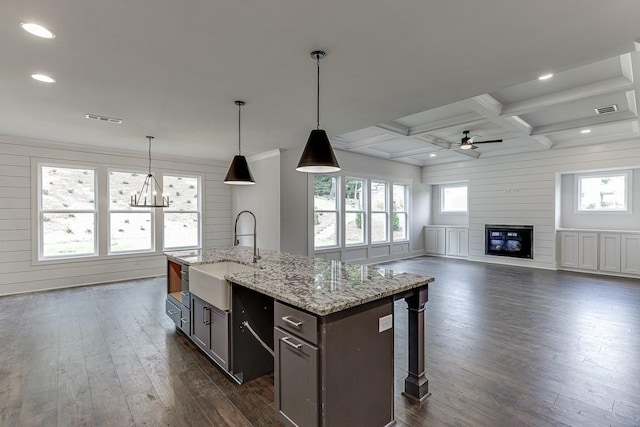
372,140
469,119
414,152
611,118
618,84
394,128
468,153
489,107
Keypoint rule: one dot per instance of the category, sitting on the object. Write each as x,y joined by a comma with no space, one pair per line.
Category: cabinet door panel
296,380
610,252
201,328
569,249
220,336
463,242
452,241
431,240
630,252
588,251
441,247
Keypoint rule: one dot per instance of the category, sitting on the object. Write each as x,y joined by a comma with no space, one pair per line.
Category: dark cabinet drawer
296,380
173,311
185,321
297,322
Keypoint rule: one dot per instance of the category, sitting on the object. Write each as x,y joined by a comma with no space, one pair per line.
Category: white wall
295,205
447,218
19,272
263,199
599,220
521,189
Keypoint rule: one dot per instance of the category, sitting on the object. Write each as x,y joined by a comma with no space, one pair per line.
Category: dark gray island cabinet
328,324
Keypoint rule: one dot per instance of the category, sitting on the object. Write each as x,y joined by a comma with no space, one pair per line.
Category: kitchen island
328,323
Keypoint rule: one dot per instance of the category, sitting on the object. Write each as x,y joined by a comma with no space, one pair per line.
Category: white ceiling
401,79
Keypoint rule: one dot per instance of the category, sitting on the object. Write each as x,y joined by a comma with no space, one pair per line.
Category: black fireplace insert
509,240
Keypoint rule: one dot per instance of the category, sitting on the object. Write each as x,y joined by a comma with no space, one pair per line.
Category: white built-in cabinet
630,253
435,238
604,251
610,252
447,240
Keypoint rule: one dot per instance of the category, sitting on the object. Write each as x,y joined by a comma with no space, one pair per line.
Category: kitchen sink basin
207,281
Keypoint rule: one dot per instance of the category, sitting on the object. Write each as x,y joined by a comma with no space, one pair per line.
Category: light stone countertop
318,286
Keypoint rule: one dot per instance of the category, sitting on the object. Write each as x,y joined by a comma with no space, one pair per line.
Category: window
325,211
453,198
355,216
67,212
399,212
379,215
130,229
603,192
182,217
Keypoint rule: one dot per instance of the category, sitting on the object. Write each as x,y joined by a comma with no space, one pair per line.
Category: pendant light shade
318,155
239,172
150,196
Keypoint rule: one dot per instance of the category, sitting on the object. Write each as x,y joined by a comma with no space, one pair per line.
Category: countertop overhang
319,286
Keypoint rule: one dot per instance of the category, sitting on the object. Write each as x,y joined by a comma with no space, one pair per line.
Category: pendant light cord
239,119
318,94
149,138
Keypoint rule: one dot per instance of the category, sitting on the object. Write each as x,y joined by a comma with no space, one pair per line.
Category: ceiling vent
606,110
103,118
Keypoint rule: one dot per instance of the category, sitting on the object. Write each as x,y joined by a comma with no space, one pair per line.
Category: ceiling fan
468,143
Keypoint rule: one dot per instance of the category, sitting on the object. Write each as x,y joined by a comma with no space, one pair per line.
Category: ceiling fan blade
487,142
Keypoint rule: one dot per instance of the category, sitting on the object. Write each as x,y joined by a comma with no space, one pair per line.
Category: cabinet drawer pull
172,312
292,322
290,343
184,320
205,309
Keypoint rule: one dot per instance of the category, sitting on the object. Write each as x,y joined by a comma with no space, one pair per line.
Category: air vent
606,110
103,118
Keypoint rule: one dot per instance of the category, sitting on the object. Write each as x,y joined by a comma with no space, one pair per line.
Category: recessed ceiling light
432,155
585,131
43,78
37,30
545,76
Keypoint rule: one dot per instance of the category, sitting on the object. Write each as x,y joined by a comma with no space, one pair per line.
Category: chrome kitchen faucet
236,242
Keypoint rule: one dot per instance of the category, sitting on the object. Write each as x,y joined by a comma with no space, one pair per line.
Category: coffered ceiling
591,104
401,79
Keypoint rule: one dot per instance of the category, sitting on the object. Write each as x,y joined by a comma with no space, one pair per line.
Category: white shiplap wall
19,272
521,190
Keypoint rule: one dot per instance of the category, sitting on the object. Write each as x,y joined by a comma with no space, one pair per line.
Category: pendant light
239,172
318,156
150,196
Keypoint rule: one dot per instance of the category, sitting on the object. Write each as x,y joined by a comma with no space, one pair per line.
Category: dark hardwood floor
506,346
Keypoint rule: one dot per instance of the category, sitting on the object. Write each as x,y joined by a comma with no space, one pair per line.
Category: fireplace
509,240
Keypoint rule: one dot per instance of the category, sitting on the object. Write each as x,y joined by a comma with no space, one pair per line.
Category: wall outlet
385,323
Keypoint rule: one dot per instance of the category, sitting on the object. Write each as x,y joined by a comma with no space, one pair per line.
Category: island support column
416,385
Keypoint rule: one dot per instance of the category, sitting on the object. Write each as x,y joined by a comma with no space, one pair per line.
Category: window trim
628,176
364,211
442,201
102,210
330,251
405,212
339,211
39,245
169,210
386,212
109,211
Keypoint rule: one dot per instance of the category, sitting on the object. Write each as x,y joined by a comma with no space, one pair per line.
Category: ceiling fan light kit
468,143
318,155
